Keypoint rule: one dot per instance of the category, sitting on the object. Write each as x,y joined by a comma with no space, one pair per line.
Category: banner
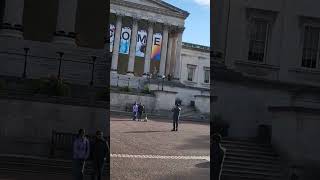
112,32
156,47
125,38
141,43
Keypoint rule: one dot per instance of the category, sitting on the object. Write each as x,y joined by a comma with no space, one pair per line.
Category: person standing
135,111
218,156
176,115
99,154
140,110
81,151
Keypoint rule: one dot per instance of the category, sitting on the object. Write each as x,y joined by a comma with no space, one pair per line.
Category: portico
146,37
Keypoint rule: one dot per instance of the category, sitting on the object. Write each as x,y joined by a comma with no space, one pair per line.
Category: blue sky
198,23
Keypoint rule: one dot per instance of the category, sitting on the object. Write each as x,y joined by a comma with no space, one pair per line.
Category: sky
198,23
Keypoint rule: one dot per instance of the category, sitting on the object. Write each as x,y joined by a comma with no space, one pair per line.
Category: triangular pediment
154,4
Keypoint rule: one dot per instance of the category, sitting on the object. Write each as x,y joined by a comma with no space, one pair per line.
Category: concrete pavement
150,150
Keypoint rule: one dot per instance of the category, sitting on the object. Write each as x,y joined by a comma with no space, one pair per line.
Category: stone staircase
37,165
249,160
188,112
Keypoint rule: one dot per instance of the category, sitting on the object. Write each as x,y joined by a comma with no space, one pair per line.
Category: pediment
152,5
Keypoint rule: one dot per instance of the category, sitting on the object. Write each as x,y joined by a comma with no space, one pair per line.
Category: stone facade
176,56
279,72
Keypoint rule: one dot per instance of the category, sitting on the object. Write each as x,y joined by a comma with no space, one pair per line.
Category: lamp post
163,77
118,81
26,50
128,82
92,73
60,61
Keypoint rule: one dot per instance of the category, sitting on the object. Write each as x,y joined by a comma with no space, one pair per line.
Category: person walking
135,111
176,115
99,154
140,110
81,150
218,156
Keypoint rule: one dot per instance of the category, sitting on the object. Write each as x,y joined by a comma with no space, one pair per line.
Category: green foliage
146,90
125,89
51,86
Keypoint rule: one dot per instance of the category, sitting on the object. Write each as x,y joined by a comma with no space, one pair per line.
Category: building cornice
174,11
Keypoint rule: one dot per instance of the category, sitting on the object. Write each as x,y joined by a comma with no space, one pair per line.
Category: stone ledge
298,109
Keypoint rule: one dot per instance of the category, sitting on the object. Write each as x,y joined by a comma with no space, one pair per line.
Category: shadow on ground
198,142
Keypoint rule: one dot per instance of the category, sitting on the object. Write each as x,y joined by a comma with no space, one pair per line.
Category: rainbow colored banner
156,47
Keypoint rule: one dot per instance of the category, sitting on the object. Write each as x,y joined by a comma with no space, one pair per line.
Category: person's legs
82,164
174,126
75,169
177,123
100,170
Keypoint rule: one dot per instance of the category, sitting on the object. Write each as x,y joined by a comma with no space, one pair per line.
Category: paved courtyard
150,150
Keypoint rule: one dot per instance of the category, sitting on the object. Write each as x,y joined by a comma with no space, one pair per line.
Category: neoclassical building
157,26
146,42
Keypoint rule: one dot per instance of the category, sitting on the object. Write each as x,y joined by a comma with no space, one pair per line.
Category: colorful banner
125,38
141,43
112,30
156,47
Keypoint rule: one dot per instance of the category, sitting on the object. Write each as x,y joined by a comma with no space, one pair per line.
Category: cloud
203,2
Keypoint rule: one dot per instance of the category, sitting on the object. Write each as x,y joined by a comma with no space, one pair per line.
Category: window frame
304,26
252,23
194,67
206,69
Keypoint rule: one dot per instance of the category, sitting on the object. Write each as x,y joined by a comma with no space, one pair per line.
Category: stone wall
43,60
245,107
27,125
293,131
202,103
119,100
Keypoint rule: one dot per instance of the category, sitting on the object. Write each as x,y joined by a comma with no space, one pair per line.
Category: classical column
173,53
148,49
178,54
65,29
12,19
167,71
133,47
164,51
115,52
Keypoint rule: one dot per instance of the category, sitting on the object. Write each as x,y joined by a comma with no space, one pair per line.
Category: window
191,72
310,52
259,31
206,75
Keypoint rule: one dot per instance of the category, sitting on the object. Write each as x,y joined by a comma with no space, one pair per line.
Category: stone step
252,151
251,164
245,143
246,147
42,165
252,168
254,160
253,156
252,174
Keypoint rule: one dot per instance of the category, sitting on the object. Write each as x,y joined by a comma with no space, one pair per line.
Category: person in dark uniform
140,110
99,154
176,115
218,156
